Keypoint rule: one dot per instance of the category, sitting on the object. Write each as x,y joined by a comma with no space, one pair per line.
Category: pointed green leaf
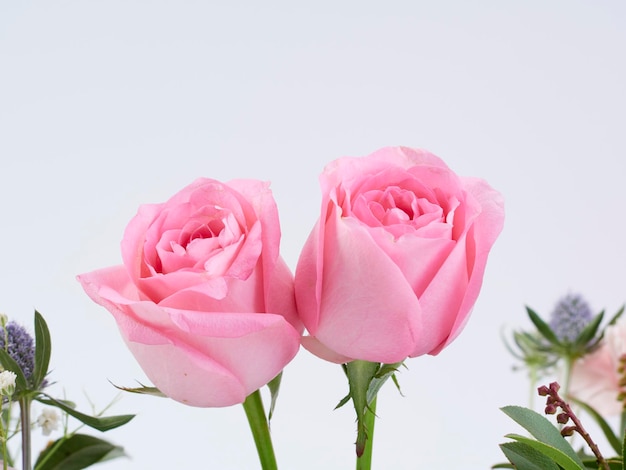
510,348
618,314
274,386
77,452
8,363
502,465
606,429
559,457
43,349
382,375
542,327
388,369
397,384
525,457
542,429
103,424
623,453
343,401
589,331
143,390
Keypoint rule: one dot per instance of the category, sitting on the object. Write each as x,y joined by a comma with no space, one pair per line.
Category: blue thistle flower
570,317
20,346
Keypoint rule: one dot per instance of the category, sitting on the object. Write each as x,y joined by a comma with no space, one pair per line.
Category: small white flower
48,420
7,382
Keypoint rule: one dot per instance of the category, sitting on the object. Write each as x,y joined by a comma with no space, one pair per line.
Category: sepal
365,380
142,390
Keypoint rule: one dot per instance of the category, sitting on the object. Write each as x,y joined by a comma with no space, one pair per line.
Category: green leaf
502,465
143,390
556,455
542,429
8,363
397,384
101,424
616,316
77,452
274,386
386,370
43,349
588,332
382,375
623,453
525,457
542,327
608,432
343,401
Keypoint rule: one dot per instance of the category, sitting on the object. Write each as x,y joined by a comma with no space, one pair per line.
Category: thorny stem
555,401
364,462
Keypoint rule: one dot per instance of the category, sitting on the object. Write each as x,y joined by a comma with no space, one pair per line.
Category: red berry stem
553,402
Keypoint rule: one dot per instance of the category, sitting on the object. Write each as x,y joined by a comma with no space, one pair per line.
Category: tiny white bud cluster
7,382
48,420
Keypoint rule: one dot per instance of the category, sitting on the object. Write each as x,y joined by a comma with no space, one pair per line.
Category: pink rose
595,377
203,299
396,260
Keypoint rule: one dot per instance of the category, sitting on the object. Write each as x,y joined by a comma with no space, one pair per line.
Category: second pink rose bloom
396,260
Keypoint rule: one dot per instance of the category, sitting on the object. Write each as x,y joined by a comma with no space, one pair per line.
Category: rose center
205,243
210,229
400,211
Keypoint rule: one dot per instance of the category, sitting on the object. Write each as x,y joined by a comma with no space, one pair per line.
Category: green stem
4,435
365,461
260,430
532,373
569,365
25,420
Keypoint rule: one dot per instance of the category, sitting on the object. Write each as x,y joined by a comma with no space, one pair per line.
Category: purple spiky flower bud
569,317
16,341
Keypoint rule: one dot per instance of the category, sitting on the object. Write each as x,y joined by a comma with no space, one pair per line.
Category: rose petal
312,345
188,377
308,281
486,227
369,311
183,352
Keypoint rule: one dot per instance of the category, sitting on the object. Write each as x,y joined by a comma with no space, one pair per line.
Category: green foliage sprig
543,351
72,451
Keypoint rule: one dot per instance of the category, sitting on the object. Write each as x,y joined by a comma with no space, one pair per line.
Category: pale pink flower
595,377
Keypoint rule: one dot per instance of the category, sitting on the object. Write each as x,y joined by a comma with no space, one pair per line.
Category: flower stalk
253,406
25,421
364,462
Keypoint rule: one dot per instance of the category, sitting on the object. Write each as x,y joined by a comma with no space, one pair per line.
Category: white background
108,105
